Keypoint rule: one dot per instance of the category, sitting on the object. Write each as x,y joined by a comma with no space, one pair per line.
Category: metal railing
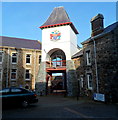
60,63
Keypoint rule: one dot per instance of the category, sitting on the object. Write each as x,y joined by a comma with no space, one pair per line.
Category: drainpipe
96,65
7,68
34,68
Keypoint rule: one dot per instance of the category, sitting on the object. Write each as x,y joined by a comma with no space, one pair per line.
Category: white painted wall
73,42
67,43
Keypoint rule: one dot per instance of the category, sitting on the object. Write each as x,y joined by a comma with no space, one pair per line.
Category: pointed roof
58,17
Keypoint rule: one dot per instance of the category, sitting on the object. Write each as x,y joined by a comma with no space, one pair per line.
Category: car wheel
25,103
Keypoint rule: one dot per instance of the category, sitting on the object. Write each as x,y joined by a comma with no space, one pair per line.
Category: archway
56,72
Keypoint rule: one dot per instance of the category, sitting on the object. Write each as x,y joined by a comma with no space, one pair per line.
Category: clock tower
59,43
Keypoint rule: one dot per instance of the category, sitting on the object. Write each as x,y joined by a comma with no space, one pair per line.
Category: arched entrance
56,72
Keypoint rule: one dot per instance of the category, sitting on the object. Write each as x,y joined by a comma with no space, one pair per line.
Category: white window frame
2,56
29,74
14,57
81,81
88,80
88,57
26,58
1,74
13,72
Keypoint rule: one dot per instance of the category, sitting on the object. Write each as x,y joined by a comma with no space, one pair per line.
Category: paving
59,107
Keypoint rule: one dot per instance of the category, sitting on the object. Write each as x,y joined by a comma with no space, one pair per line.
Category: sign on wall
55,35
99,97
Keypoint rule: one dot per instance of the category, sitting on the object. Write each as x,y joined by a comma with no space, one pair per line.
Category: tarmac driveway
59,107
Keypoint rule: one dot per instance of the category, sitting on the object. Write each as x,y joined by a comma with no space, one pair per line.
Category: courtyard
60,107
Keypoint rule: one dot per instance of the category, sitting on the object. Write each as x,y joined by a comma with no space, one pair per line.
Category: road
59,107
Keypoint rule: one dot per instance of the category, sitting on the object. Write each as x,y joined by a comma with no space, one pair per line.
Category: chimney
97,25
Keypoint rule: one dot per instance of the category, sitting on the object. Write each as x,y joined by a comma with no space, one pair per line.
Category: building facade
98,62
88,71
19,62
59,43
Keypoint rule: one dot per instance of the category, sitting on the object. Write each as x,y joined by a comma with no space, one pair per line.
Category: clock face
55,35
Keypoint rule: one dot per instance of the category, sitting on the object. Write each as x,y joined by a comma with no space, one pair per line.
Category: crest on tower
55,35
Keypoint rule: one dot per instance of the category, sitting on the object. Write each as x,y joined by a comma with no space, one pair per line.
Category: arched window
57,61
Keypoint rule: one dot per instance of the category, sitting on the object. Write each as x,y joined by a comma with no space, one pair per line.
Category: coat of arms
55,35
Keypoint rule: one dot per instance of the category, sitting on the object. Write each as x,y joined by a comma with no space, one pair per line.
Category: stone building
88,71
97,62
19,62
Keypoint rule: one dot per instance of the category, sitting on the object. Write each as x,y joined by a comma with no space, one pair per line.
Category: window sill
89,65
14,63
13,79
27,79
28,63
90,88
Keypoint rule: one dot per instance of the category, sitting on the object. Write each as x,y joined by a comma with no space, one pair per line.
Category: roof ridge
20,38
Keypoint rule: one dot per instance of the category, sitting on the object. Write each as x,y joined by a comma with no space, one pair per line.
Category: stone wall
41,80
72,83
21,67
107,64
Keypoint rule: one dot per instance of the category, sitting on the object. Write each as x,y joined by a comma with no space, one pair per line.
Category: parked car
17,96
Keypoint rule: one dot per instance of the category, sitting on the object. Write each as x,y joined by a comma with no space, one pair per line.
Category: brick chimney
97,25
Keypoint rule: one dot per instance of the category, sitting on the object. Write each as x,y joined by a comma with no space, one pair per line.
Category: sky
23,19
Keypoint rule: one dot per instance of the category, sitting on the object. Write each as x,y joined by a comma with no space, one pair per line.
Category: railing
60,63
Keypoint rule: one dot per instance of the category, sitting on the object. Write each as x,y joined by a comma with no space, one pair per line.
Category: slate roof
106,30
78,54
58,17
20,43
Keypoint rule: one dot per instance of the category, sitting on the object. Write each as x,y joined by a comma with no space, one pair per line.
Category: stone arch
56,52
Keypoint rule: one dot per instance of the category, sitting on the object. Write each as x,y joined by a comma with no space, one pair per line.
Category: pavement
67,108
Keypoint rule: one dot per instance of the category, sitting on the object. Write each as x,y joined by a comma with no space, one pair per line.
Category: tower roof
58,17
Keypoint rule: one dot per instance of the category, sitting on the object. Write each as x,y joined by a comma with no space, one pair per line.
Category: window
16,90
0,74
27,74
13,74
81,82
89,79
88,58
14,58
5,90
28,59
1,56
39,59
57,61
